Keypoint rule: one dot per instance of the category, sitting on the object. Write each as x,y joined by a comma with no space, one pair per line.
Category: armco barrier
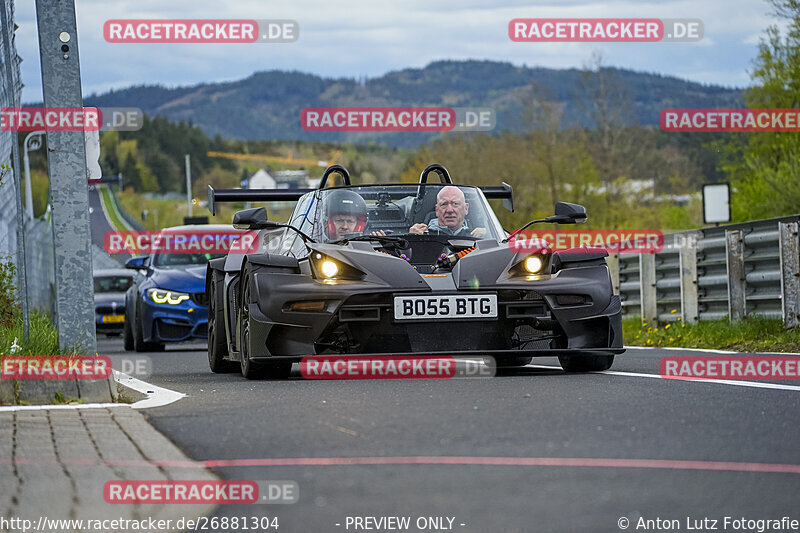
132,222
735,271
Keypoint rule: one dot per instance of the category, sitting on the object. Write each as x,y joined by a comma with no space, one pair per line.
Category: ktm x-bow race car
403,270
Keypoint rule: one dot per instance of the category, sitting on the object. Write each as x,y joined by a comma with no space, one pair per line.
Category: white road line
10,408
156,397
750,384
726,352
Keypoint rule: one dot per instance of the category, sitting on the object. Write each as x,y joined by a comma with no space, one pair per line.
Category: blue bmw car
169,304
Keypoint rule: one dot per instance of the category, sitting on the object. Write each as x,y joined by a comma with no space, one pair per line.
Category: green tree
130,173
764,167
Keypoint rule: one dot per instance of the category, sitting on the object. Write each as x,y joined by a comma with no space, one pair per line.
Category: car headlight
163,296
327,268
533,264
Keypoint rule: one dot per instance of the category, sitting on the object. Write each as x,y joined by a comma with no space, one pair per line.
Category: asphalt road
538,413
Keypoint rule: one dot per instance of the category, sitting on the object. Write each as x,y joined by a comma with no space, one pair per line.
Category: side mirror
138,263
567,213
255,218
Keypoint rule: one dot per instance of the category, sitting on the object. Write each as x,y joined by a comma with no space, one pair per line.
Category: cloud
362,37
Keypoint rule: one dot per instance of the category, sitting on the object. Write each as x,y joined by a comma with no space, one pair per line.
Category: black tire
138,341
115,334
585,363
127,338
251,369
217,342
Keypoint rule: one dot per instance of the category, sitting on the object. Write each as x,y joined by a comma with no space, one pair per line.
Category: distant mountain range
267,105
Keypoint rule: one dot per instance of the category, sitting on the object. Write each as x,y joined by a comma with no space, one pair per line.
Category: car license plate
445,306
113,319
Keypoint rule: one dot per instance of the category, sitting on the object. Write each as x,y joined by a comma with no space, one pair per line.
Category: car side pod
599,331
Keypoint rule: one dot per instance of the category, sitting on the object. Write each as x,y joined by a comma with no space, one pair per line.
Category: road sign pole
66,157
189,183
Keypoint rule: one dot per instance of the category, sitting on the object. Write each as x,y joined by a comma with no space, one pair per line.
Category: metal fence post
647,287
688,269
15,90
66,158
613,270
789,244
734,252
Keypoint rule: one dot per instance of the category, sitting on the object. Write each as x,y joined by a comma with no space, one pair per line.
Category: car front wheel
217,343
251,369
127,334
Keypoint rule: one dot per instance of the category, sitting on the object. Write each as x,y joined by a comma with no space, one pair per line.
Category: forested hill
267,105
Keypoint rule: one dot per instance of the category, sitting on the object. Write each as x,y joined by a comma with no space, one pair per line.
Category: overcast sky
357,38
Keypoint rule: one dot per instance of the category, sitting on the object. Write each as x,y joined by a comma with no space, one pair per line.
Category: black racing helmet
344,202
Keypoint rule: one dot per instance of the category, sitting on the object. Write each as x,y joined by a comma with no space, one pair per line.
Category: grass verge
108,205
42,341
43,336
752,334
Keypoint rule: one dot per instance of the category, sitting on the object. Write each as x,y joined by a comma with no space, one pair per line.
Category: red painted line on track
432,460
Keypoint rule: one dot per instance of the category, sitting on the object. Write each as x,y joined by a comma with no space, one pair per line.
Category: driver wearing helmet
346,212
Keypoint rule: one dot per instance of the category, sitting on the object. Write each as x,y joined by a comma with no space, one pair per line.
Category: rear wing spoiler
216,196
503,192
270,195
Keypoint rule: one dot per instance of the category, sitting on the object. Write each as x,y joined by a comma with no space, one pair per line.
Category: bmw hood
185,279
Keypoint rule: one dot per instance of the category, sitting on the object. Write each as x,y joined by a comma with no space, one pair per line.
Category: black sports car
403,269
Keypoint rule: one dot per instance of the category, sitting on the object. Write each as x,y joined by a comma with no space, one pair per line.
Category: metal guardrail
735,271
132,222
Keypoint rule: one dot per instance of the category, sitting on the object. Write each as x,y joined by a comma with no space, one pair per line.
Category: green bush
751,334
3,171
9,307
43,338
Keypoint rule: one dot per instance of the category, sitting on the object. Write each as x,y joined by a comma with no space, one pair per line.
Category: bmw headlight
163,296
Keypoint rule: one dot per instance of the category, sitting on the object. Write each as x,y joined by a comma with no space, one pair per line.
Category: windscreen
178,260
112,284
430,209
